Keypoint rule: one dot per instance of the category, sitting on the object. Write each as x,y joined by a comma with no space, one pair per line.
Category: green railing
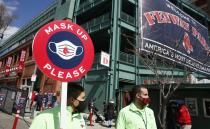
88,4
127,58
97,21
127,18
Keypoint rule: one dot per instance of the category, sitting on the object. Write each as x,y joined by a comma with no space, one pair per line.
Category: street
6,122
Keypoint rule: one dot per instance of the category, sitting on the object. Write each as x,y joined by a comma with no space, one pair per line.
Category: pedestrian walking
110,112
126,99
33,96
45,101
54,100
39,99
137,115
171,116
183,117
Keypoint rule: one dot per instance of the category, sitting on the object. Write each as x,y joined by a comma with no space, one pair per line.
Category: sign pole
63,118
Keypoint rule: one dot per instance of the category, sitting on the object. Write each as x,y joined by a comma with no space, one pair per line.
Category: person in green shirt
50,119
137,115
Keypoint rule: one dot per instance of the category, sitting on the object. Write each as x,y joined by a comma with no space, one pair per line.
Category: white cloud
9,32
11,6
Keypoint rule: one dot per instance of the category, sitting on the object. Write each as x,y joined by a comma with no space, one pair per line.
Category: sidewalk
98,126
6,122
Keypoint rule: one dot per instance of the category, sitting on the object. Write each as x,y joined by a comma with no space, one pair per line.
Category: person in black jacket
110,113
172,109
39,99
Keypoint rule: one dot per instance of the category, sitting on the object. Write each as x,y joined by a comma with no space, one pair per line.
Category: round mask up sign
63,50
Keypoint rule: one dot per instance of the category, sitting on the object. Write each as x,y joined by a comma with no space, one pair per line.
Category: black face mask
82,106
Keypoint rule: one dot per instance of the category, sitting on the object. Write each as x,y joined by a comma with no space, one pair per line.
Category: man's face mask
144,101
65,49
82,106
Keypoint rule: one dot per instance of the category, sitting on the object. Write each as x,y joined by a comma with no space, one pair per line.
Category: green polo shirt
50,119
131,117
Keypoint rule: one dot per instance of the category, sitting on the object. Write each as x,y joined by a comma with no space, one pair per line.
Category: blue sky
25,11
28,9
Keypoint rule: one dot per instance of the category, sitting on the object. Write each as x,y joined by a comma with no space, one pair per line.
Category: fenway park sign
172,34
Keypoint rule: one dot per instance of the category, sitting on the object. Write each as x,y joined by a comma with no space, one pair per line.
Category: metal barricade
12,99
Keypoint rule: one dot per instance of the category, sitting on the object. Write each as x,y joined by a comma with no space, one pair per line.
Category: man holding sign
50,119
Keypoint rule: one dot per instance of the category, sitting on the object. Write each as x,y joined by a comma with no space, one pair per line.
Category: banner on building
172,34
21,61
7,66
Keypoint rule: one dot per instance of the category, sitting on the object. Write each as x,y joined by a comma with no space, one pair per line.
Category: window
206,107
26,81
192,106
29,82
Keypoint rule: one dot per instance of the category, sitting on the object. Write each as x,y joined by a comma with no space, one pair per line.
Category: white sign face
105,59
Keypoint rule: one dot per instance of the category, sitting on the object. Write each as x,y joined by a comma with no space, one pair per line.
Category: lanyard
145,121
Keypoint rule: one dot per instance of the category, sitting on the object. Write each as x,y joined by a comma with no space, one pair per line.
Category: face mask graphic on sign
65,49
